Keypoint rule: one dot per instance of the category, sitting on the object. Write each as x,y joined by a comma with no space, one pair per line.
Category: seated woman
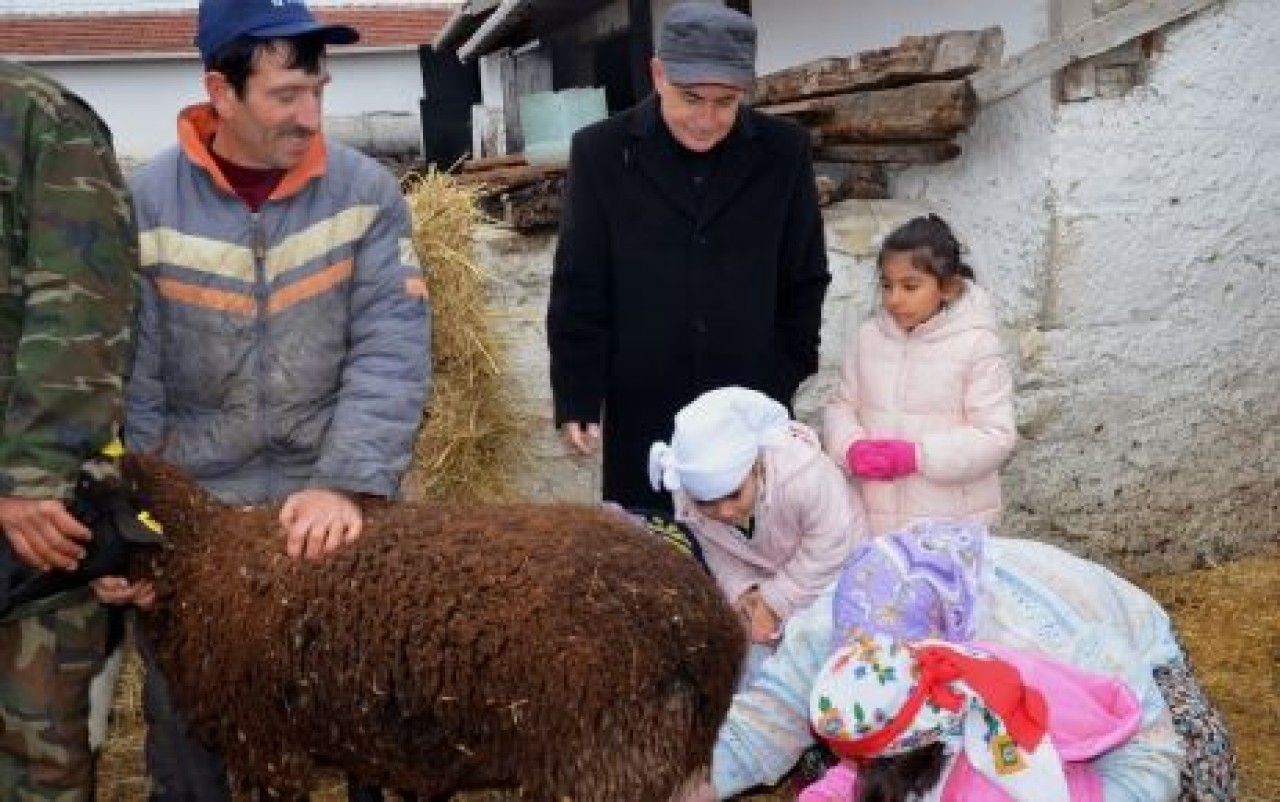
773,516
932,720
956,582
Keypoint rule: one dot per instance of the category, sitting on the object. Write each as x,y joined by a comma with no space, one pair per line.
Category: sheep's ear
138,526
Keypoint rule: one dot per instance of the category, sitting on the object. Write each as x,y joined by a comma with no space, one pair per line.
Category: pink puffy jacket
807,520
945,386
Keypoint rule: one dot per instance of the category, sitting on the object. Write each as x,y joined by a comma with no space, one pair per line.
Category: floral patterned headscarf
879,697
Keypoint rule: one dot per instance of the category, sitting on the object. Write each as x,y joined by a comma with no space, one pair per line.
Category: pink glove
881,459
839,784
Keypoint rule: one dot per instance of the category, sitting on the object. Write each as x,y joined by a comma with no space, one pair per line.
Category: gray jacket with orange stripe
284,349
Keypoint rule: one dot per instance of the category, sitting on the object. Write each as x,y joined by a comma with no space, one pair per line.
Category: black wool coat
657,297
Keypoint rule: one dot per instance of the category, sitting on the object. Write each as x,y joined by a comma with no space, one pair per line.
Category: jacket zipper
898,484
260,330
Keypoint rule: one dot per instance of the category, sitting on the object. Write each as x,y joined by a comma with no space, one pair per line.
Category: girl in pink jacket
933,721
922,418
774,518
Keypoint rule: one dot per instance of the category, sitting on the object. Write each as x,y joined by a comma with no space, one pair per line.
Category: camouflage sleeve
76,295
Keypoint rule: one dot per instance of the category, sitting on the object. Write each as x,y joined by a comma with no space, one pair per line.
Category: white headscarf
717,439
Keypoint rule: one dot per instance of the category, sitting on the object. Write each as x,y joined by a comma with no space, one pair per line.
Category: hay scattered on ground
1230,620
1228,616
120,773
471,444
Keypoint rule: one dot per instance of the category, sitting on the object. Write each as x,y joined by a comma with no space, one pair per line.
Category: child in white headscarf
773,515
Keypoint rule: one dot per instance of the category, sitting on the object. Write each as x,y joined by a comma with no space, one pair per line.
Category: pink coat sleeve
1089,713
831,521
841,424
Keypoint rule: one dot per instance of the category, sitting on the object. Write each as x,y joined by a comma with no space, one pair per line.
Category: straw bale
471,444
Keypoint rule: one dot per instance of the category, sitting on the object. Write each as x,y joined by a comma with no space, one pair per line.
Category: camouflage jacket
68,262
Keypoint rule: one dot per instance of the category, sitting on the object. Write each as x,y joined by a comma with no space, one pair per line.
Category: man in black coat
691,253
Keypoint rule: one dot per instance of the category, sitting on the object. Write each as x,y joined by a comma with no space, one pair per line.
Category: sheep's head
103,502
166,493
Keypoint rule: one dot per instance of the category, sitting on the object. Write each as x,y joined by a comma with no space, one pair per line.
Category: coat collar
196,126
739,154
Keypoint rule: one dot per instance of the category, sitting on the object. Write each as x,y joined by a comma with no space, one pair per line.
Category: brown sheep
556,648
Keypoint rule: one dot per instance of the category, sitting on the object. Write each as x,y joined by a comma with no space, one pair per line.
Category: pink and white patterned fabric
881,697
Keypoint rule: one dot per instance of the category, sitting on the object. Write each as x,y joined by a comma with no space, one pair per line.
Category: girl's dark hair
902,777
933,248
236,59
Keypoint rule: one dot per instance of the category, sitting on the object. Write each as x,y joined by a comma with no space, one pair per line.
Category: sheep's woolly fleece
556,648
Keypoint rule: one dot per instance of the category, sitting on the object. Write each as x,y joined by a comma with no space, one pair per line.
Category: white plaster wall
793,32
1151,403
140,100
1133,248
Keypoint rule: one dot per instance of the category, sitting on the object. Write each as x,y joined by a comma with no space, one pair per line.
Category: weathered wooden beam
890,153
917,113
801,109
530,208
1104,33
506,178
942,56
494,163
866,182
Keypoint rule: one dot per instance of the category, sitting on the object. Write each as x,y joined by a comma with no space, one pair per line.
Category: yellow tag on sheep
114,449
146,520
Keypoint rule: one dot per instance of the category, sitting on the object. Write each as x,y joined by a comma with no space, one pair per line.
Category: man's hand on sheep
317,522
43,534
118,590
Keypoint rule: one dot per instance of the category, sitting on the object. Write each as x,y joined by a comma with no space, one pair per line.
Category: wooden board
890,153
942,56
802,110
1112,30
506,178
917,113
494,163
866,182
533,207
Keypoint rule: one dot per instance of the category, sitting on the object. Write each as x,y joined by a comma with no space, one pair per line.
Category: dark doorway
449,88
613,71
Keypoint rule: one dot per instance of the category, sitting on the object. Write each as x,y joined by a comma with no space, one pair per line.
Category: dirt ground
1229,617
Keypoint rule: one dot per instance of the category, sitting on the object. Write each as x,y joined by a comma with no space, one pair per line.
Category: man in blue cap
690,257
283,348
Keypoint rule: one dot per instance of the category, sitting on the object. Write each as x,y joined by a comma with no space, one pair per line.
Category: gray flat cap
707,43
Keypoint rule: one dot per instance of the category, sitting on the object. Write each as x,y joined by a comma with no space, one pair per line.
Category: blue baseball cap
222,21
